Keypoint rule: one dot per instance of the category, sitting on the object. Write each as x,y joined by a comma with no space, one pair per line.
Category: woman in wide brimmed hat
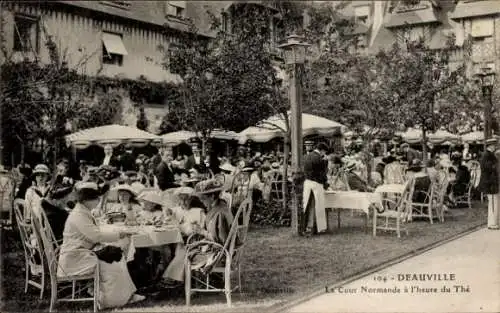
82,235
152,207
39,190
217,224
127,201
189,219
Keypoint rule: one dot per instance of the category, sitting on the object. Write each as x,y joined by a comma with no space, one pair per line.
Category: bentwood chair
227,260
394,213
425,208
59,283
33,253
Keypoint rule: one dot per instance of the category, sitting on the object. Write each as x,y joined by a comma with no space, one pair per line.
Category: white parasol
112,135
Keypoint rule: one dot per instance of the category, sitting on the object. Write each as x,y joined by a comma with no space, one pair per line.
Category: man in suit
315,170
410,154
109,159
165,171
488,183
156,159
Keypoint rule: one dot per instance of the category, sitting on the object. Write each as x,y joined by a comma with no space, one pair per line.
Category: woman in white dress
82,232
186,215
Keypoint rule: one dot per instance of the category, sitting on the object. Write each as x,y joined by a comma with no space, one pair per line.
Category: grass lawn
277,266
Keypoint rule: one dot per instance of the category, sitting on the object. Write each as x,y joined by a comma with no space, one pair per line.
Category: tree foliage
43,101
229,82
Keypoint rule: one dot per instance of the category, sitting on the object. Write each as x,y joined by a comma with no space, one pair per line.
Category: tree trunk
369,160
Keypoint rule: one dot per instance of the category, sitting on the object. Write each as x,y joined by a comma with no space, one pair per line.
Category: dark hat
415,165
323,146
389,159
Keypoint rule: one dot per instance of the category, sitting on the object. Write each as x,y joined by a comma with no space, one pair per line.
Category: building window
113,49
413,34
26,33
362,14
176,8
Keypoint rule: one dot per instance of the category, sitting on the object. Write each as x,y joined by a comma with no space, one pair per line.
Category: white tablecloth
353,200
390,188
148,236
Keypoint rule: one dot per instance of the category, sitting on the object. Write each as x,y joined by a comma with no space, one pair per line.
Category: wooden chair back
240,189
50,246
239,230
276,181
403,206
31,241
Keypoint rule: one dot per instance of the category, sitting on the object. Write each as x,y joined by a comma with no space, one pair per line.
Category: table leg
338,217
367,216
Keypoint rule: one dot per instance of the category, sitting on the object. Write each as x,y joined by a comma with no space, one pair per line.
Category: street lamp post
295,55
487,80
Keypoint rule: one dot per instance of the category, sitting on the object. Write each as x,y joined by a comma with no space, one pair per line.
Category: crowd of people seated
73,201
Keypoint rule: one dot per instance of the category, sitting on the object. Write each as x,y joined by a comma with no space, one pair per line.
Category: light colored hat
125,187
41,169
491,141
275,165
86,185
227,167
151,195
184,191
208,186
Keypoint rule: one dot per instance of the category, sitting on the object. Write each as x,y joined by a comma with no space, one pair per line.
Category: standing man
315,170
109,159
488,183
309,146
156,159
165,172
409,153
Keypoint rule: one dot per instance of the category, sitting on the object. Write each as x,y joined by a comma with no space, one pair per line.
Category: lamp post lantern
295,56
487,80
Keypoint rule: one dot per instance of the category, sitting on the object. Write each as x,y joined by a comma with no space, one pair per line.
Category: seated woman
462,177
127,202
422,183
218,223
185,214
150,263
81,233
39,198
354,181
152,208
189,219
